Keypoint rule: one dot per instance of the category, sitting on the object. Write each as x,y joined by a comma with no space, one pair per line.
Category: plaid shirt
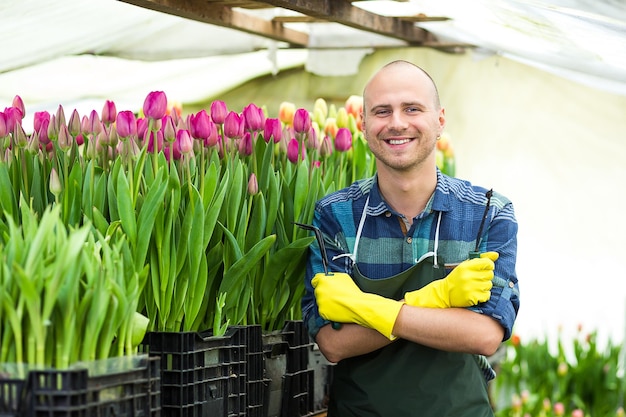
384,250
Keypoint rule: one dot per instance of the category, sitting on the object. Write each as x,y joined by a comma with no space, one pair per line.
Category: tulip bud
199,125
109,112
55,183
95,125
219,111
326,147
354,106
34,143
18,103
213,137
272,130
321,107
253,118
155,105
245,144
65,139
342,118
293,150
19,136
60,117
3,125
169,131
53,131
13,117
331,128
185,141
126,124
253,185
301,121
74,125
233,126
286,112
343,140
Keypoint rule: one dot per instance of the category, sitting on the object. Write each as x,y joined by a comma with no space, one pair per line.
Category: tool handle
474,254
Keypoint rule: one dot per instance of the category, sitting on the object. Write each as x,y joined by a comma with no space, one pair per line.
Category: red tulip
155,105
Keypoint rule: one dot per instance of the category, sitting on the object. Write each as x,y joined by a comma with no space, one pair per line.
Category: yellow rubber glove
340,300
467,285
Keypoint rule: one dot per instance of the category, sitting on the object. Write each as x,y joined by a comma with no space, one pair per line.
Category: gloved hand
340,300
467,285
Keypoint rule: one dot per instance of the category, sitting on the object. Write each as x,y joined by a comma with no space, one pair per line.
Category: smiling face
402,118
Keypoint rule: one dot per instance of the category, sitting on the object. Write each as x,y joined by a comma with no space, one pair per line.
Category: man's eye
412,109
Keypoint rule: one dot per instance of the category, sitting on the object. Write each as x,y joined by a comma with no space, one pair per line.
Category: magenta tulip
199,125
155,105
233,125
13,117
253,117
273,130
302,121
126,124
343,141
245,144
293,150
219,111
3,125
154,146
213,137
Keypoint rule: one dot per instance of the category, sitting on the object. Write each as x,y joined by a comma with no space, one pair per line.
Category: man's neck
407,193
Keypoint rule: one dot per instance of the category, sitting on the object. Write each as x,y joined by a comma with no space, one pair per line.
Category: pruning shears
320,241
475,253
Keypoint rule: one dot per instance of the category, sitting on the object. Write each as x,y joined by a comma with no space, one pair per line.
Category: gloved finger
316,279
482,264
491,255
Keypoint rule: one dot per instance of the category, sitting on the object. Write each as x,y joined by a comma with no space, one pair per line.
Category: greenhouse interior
112,277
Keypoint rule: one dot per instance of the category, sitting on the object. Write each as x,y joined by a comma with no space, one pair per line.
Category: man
405,315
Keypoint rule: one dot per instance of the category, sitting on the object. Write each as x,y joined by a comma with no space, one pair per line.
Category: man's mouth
398,141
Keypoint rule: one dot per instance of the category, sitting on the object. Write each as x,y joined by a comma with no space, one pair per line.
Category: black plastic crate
201,375
257,385
116,387
291,381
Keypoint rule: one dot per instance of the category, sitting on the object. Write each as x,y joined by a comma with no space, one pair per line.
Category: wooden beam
345,13
220,15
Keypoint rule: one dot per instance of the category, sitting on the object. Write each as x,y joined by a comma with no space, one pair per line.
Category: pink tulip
95,125
13,117
213,137
55,183
168,129
142,126
199,125
272,130
327,146
293,150
245,144
311,141
301,121
253,184
18,103
3,125
185,141
65,139
233,126
155,105
219,111
343,141
253,118
74,125
126,124
109,112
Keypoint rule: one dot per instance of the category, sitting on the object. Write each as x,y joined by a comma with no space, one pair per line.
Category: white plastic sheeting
76,50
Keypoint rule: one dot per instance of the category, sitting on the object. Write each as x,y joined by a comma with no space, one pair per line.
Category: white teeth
398,141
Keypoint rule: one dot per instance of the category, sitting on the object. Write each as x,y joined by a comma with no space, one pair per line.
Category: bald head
405,72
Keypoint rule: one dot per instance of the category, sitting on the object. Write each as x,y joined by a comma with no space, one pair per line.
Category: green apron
406,378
